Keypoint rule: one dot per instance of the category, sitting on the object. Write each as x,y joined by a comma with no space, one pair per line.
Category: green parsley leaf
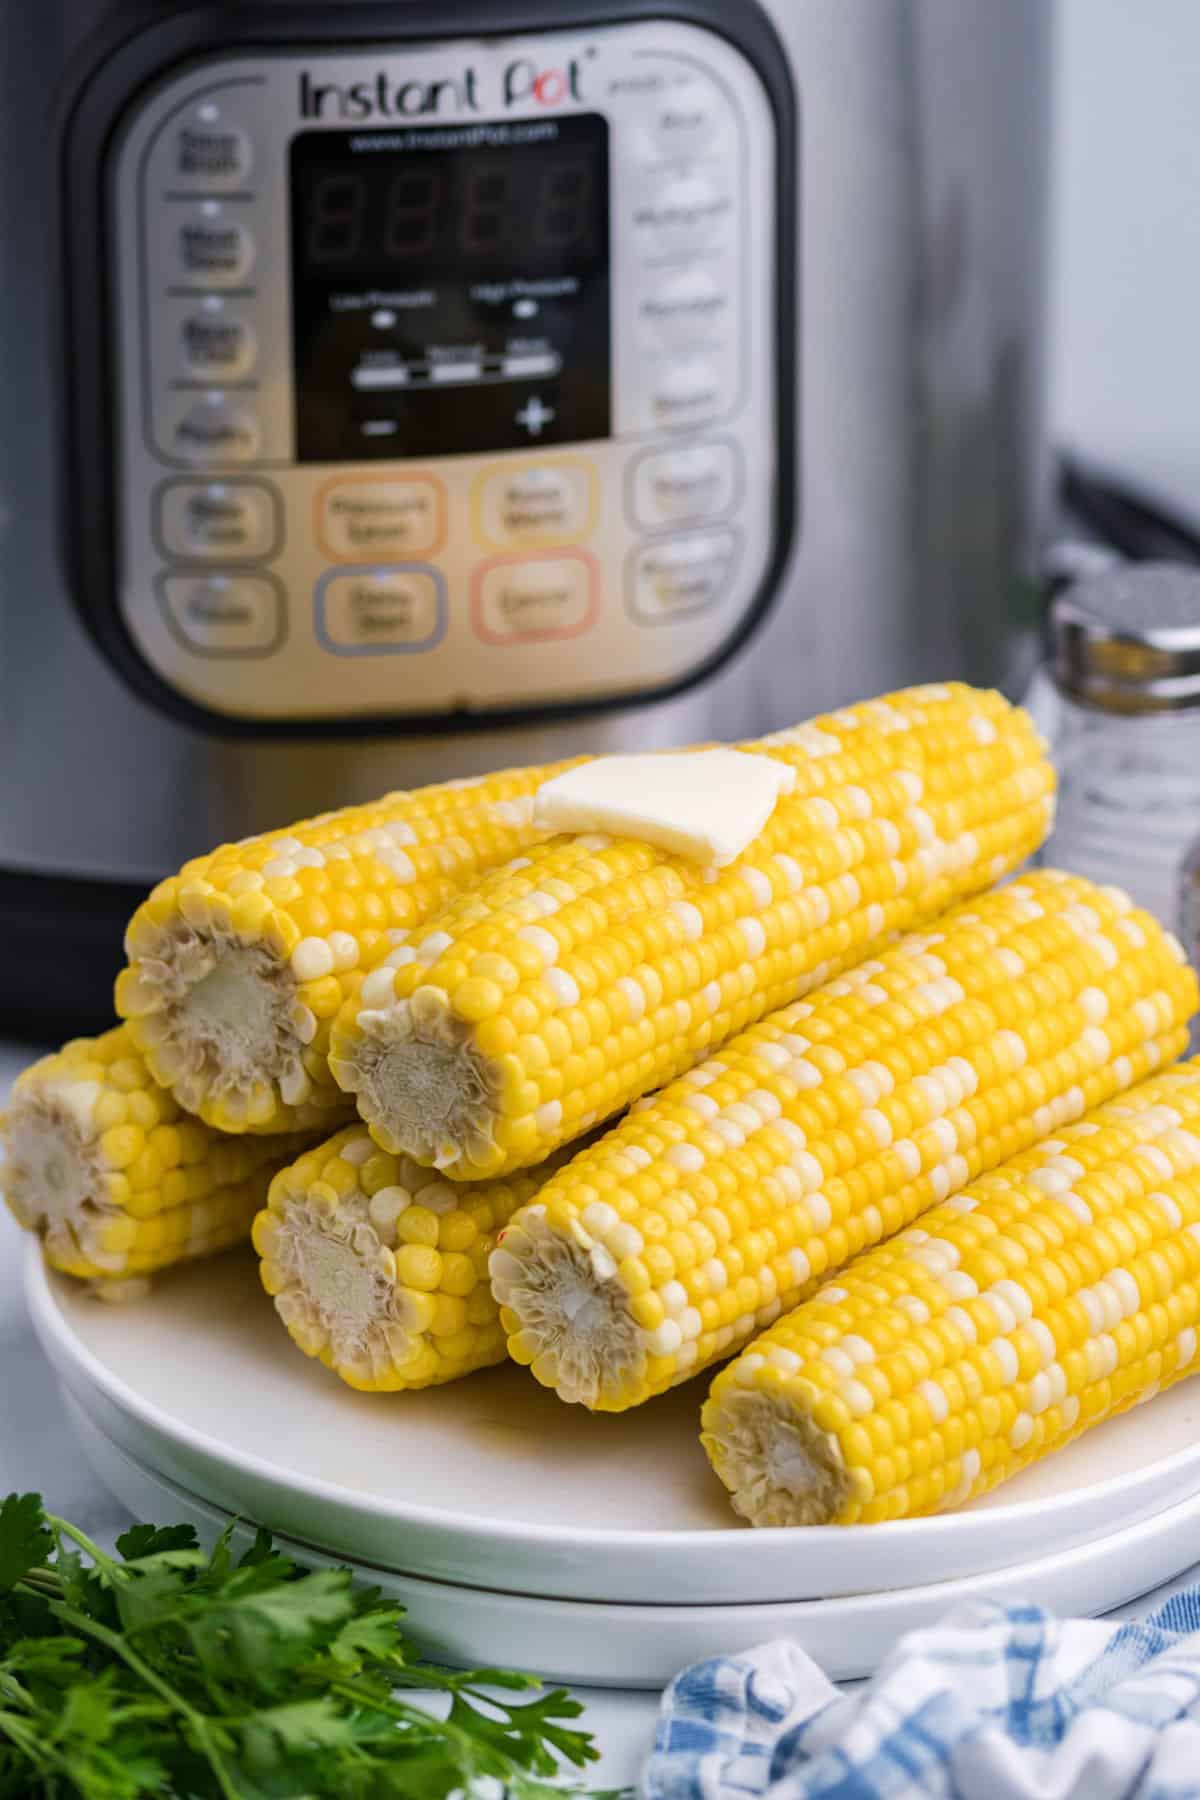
366,1638
26,1541
299,1727
259,1633
151,1540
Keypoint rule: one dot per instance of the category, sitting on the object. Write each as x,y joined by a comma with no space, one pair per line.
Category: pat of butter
707,805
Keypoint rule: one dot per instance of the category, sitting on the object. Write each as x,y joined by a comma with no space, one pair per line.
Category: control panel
446,373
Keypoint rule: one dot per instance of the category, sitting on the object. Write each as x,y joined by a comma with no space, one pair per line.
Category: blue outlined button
394,610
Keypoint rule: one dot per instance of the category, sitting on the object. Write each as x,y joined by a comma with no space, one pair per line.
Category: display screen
450,211
450,287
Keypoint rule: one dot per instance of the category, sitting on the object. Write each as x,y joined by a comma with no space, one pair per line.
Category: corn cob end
332,1290
53,1175
378,1267
567,1315
97,1159
332,1275
57,1183
779,1466
218,1014
418,1080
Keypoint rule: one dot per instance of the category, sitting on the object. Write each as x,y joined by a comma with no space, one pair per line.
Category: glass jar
1119,701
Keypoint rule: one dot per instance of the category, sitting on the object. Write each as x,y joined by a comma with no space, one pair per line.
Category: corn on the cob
1056,1291
829,1126
238,964
380,1268
593,970
99,1160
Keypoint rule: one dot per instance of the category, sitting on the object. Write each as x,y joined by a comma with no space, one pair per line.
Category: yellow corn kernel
417,1226
417,1266
548,997
107,1199
1016,1357
238,964
379,1267
835,1122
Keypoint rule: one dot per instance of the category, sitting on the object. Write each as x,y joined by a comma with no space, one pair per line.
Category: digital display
451,211
450,287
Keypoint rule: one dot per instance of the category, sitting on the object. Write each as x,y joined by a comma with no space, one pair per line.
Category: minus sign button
380,427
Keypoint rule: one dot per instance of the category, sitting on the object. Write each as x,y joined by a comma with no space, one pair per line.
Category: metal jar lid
1128,640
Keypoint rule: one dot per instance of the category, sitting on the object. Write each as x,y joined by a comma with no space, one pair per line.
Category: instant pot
392,391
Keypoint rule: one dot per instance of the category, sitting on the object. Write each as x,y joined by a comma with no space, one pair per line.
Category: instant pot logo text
523,82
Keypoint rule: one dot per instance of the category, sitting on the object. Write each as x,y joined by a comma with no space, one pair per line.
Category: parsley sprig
167,1670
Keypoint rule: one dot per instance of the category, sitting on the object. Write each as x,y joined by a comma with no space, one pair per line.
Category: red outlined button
535,599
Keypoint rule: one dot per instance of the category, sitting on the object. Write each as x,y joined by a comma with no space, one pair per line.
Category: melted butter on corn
708,805
1052,1293
828,1127
380,1268
117,1181
592,970
238,964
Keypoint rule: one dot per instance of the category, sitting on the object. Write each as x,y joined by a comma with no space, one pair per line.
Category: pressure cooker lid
1127,640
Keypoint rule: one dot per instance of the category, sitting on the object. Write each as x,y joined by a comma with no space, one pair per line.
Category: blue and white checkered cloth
994,1703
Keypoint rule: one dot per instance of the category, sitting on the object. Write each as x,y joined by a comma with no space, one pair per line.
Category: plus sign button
535,415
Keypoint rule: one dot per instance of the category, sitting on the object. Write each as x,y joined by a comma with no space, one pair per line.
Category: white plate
598,1645
493,1483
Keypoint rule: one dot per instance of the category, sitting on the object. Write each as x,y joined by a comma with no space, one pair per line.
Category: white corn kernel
311,959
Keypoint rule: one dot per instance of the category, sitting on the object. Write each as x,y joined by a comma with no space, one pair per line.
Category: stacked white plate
595,1549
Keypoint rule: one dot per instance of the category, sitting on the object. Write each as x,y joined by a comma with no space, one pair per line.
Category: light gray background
1125,358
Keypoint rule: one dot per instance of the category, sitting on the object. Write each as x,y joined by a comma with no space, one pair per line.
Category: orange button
381,519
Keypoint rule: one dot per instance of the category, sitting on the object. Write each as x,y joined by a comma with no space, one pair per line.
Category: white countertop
38,1451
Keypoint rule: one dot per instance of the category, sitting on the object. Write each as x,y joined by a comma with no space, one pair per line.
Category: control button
517,600
454,370
224,615
689,116
686,391
211,151
684,304
216,429
213,247
682,212
389,520
528,365
370,377
535,415
672,486
366,612
215,342
235,520
681,576
535,503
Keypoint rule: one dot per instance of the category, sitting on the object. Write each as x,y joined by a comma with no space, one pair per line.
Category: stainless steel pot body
919,224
